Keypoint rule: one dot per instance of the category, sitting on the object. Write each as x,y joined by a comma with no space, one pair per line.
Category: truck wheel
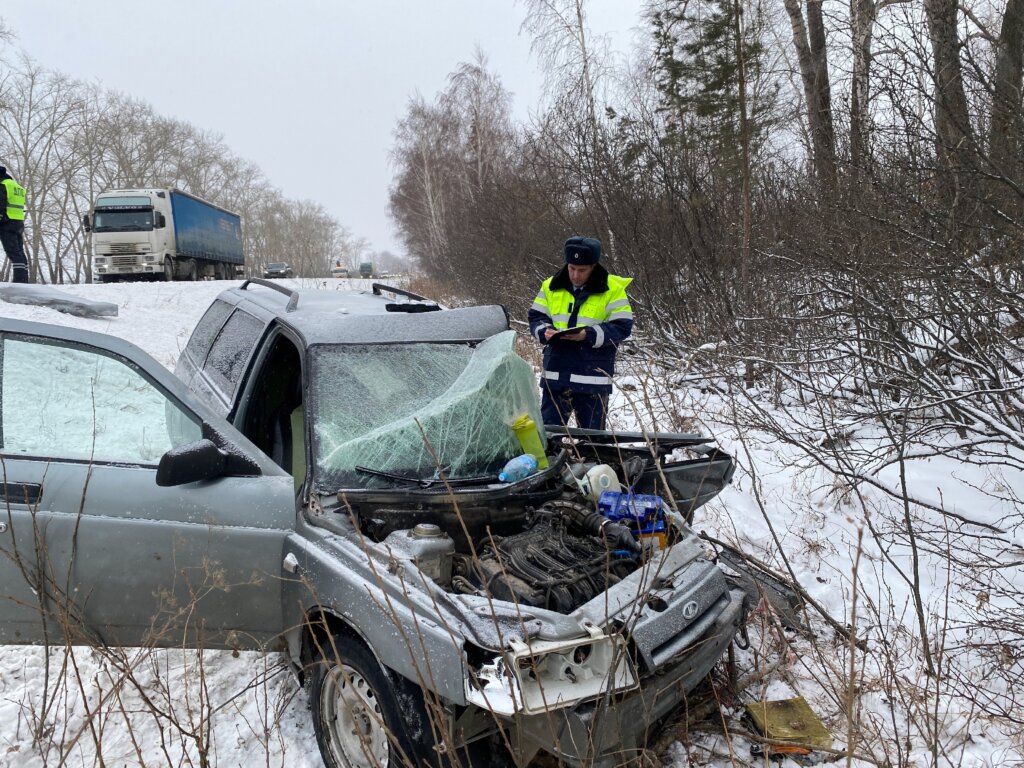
191,271
168,269
356,716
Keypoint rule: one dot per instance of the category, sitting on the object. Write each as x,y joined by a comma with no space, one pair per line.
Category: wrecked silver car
331,480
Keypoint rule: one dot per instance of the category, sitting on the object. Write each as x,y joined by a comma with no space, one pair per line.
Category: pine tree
698,50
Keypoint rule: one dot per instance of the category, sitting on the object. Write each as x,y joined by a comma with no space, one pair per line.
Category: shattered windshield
381,413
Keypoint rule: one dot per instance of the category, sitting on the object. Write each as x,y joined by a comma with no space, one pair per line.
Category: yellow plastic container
529,437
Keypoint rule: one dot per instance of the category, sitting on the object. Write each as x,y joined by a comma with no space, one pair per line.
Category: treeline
738,151
65,141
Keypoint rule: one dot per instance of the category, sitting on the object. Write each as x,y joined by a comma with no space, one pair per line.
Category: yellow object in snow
529,437
789,720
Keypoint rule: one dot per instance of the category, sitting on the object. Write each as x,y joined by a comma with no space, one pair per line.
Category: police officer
12,225
578,364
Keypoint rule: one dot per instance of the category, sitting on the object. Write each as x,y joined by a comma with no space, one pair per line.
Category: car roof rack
293,296
378,287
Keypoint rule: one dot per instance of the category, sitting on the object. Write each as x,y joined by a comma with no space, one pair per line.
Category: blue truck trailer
162,234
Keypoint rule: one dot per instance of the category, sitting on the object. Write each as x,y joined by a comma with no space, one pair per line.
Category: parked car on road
278,269
321,476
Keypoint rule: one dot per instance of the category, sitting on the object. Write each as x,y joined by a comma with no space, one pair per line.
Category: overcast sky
310,90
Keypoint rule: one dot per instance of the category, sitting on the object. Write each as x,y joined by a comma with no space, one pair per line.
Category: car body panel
22,602
405,619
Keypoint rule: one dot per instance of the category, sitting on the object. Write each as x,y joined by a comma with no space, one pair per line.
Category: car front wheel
367,717
355,710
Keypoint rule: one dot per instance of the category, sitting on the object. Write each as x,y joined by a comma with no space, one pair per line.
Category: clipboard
565,332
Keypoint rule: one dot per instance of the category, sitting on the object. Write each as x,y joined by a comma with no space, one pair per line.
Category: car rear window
231,351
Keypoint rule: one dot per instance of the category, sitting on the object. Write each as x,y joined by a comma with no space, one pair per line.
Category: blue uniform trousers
557,405
13,239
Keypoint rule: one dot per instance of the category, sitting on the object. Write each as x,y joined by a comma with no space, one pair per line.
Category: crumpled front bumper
608,732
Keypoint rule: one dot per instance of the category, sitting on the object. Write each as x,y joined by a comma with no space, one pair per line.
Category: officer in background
579,364
12,225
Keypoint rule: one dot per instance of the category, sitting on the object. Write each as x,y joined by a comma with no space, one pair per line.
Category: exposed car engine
557,555
567,555
555,540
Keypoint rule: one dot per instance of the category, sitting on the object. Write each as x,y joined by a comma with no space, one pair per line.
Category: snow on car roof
364,317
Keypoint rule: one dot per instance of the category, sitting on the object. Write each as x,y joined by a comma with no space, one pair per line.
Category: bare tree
955,142
426,161
564,44
1006,132
42,112
480,104
809,41
862,22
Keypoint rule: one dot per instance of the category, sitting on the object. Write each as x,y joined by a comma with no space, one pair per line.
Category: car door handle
21,493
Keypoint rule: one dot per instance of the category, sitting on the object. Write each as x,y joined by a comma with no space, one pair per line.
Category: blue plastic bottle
518,468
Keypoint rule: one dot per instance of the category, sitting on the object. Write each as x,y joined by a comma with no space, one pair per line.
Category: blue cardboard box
643,513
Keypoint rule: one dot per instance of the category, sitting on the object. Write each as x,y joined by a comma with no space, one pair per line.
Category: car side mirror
190,463
159,222
86,222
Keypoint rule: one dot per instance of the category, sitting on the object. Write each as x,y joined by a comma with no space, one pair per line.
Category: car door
90,545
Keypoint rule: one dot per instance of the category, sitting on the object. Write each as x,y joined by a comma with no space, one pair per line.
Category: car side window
231,351
206,330
67,402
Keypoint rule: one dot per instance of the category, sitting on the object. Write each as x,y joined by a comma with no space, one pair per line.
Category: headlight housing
543,675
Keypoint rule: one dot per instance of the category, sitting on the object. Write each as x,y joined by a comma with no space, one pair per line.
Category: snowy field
221,709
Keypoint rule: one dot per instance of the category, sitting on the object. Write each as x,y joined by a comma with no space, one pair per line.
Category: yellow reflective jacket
602,308
13,200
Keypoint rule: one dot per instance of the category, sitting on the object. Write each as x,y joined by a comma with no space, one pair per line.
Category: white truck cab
163,233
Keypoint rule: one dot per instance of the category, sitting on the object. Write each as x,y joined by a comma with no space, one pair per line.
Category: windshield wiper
428,482
391,475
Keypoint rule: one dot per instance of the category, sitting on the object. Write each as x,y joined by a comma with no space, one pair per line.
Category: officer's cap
582,251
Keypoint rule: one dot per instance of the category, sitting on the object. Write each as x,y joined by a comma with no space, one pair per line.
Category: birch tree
565,47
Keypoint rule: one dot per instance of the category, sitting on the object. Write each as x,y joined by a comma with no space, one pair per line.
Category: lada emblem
690,609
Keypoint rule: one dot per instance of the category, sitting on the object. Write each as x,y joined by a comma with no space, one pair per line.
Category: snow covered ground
246,709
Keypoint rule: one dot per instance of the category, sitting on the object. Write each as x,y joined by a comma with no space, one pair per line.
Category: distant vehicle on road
164,234
278,269
366,269
339,271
